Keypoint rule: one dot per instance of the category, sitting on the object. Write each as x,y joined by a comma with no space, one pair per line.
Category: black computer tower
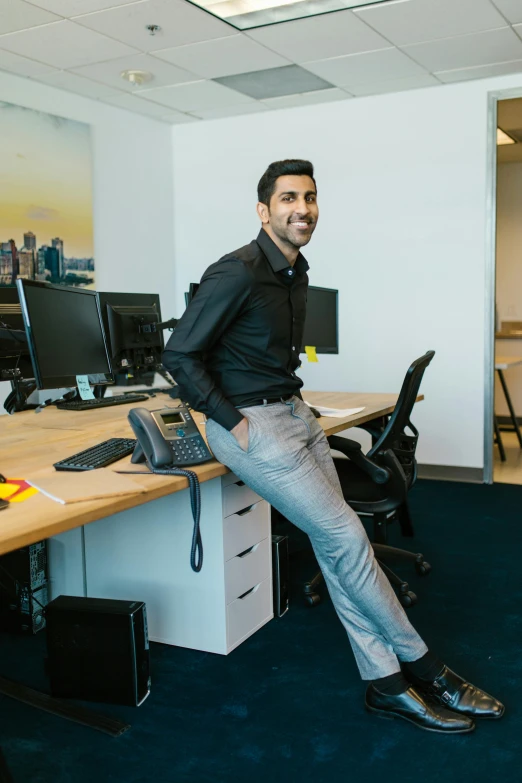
280,574
23,589
98,649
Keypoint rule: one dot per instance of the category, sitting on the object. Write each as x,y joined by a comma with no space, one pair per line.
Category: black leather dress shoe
412,706
458,695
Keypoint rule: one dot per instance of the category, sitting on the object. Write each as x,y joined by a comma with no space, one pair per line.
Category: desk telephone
169,440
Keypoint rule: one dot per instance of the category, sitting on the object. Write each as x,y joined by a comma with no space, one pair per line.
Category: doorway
503,425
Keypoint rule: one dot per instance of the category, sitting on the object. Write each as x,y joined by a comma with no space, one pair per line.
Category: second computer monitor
321,325
65,334
134,344
190,294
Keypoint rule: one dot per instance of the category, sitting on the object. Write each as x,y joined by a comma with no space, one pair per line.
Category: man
234,354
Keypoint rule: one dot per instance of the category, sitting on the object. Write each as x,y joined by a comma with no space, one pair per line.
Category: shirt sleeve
224,290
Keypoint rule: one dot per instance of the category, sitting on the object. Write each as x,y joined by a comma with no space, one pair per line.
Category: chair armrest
352,450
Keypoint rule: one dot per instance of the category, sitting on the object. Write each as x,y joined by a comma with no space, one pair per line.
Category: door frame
490,272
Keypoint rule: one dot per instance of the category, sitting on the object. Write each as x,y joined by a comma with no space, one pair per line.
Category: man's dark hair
282,168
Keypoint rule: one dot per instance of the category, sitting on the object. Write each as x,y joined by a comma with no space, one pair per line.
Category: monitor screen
129,321
321,325
14,350
190,294
65,334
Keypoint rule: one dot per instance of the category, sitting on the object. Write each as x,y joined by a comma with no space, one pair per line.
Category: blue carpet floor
287,705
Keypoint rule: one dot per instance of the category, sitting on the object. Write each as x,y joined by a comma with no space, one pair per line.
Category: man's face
293,212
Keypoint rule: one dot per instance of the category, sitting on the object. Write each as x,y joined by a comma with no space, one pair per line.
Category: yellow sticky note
311,353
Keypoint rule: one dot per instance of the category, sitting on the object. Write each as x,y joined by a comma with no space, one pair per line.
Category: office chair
376,484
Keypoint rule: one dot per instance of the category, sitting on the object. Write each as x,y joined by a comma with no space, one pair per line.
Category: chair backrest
394,435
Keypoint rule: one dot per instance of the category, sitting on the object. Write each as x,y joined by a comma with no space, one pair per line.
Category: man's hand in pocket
240,433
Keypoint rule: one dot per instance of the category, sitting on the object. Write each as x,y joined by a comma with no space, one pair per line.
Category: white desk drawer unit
248,560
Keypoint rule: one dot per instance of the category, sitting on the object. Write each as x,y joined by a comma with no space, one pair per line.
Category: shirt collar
275,257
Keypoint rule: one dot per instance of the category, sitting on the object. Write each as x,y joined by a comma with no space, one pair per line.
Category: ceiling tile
64,45
223,56
178,118
394,85
65,80
306,98
196,96
512,9
180,22
466,51
331,35
367,67
110,72
17,15
509,114
413,21
230,111
136,104
21,65
68,8
481,72
274,82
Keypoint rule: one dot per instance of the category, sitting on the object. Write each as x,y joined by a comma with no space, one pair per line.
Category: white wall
132,190
402,193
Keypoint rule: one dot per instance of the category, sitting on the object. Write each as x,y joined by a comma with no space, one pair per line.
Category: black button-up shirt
239,339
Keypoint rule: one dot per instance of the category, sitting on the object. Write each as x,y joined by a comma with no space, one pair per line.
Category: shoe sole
392,715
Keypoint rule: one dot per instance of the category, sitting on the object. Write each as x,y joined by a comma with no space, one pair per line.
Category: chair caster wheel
423,568
408,599
312,599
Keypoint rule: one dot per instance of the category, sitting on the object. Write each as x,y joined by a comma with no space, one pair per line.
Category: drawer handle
248,551
249,592
246,510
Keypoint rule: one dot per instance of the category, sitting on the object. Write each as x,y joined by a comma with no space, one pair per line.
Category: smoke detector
136,78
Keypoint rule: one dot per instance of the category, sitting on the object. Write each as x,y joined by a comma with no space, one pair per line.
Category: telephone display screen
172,418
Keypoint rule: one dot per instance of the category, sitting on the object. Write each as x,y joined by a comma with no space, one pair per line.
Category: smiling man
234,354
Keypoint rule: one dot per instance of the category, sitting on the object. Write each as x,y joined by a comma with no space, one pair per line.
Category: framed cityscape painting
46,221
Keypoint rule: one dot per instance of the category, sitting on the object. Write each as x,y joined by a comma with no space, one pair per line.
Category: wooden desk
137,547
32,442
505,363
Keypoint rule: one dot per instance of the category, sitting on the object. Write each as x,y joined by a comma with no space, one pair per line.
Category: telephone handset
168,439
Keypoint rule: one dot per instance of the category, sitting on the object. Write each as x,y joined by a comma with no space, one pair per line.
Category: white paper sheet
335,413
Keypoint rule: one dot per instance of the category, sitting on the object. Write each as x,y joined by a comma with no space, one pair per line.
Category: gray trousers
289,464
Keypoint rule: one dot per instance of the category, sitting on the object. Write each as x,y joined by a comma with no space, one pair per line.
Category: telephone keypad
189,451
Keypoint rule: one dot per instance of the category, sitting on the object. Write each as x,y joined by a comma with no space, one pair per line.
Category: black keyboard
104,402
98,456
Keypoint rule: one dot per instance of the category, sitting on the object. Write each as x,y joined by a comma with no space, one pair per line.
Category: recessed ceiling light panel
503,138
245,14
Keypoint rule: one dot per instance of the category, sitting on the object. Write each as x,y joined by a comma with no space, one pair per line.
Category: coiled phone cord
196,550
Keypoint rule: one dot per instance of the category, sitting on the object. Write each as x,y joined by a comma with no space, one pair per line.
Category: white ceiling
82,46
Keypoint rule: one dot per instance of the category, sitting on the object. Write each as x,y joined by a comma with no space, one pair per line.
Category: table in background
505,363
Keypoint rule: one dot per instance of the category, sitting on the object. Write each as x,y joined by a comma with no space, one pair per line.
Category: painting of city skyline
46,222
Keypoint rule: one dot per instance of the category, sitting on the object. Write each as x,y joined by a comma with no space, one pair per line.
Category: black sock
393,684
426,668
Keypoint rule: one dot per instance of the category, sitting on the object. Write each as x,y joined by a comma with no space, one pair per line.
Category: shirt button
290,271
293,347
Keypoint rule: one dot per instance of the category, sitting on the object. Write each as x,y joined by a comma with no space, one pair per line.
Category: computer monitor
135,346
189,295
15,361
65,334
321,326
